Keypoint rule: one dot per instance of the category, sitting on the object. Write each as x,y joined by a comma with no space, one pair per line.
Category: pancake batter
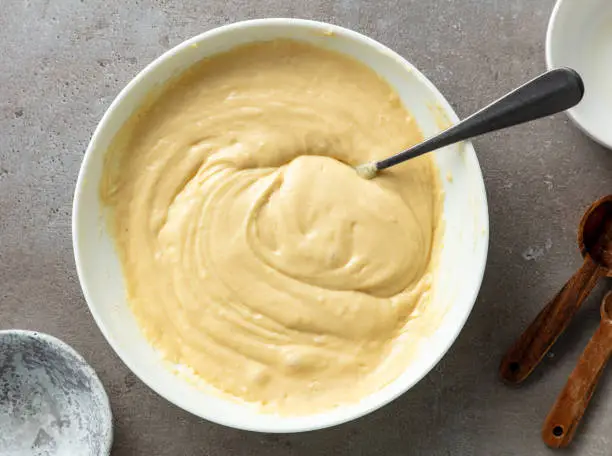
252,252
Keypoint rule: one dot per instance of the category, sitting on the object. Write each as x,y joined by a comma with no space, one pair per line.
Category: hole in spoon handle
541,334
564,417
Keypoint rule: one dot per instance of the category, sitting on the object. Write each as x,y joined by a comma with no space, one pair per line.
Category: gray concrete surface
63,61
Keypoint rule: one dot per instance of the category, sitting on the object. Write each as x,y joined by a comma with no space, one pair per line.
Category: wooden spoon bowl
595,235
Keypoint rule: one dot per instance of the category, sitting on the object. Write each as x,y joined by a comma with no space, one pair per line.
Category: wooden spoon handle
552,320
564,417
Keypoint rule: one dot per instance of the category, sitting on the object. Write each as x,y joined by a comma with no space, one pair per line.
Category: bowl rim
479,188
61,346
550,41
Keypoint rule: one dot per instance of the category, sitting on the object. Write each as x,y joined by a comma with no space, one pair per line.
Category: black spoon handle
549,93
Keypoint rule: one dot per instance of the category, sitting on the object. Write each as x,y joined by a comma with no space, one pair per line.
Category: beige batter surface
252,251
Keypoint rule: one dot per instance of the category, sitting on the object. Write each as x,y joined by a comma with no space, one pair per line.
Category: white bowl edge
551,38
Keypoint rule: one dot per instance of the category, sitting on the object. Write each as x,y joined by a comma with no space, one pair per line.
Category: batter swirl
251,250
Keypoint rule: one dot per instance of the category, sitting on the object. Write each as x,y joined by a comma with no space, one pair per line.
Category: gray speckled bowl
52,403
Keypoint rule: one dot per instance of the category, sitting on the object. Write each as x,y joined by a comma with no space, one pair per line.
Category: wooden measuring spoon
595,240
564,418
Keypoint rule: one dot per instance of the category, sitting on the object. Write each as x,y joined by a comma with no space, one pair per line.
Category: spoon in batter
549,93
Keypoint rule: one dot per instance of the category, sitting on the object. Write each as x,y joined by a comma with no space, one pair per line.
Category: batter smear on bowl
251,250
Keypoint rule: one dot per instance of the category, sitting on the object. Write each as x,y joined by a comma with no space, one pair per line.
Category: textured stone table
63,61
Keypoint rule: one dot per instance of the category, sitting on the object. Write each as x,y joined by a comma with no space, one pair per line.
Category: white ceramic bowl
580,37
51,401
460,269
